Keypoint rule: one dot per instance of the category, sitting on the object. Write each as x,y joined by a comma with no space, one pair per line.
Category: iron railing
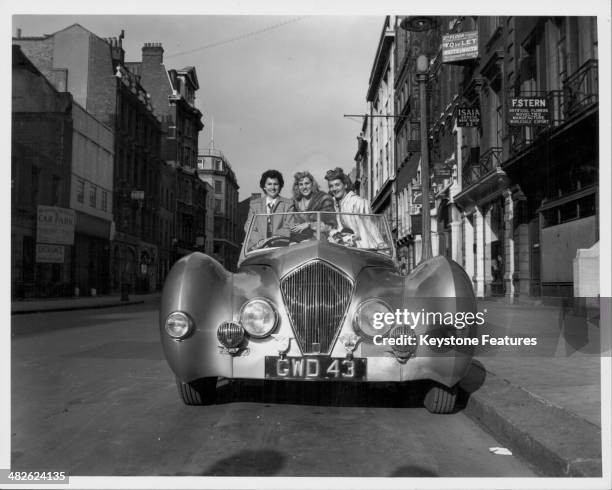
581,89
489,161
579,93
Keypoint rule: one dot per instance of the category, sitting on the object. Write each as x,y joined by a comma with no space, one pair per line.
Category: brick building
514,199
93,70
41,142
214,168
380,98
172,94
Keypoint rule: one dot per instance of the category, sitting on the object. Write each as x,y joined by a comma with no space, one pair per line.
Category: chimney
153,53
18,33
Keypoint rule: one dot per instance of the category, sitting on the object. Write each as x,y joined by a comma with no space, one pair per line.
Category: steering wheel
275,241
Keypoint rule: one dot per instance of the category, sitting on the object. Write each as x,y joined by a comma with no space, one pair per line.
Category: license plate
316,367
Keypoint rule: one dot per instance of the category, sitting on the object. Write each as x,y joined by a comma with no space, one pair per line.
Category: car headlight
369,318
258,317
178,325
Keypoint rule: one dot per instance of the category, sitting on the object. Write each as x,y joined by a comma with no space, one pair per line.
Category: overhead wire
238,38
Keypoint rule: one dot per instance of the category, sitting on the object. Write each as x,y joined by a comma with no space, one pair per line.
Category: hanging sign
459,47
528,111
468,117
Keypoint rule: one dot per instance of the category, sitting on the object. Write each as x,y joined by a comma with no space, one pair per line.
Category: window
80,191
218,187
55,190
218,204
93,196
104,204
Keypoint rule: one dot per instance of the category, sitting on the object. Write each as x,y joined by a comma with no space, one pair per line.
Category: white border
601,8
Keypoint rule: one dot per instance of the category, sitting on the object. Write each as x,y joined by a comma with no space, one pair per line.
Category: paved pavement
78,303
542,402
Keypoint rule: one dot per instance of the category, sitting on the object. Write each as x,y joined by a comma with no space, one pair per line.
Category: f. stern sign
528,111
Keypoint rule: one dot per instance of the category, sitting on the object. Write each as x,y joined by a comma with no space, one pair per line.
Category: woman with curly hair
308,197
362,229
346,201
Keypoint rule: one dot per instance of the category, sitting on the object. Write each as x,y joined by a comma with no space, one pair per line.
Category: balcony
581,89
579,93
488,162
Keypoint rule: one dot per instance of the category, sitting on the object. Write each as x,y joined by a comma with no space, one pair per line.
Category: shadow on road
324,394
264,462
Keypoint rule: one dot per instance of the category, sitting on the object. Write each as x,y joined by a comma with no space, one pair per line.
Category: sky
273,89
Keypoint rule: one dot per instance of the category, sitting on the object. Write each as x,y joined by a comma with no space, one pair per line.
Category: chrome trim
357,327
274,310
230,334
317,296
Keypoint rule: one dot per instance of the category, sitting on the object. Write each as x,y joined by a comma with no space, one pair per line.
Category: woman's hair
338,173
296,180
271,174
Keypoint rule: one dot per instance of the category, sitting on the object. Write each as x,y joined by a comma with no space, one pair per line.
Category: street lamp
422,69
423,24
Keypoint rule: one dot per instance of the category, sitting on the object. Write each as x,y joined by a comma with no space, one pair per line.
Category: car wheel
440,399
200,392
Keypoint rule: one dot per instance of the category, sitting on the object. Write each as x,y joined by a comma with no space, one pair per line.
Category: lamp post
423,24
422,68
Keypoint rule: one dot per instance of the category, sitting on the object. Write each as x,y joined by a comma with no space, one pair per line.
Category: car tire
200,392
440,399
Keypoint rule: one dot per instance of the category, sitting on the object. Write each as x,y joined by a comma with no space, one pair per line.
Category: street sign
528,111
49,254
442,171
55,225
137,195
417,198
459,47
468,117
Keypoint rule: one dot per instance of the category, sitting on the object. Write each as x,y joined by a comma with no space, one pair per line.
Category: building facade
380,98
172,94
512,128
93,70
215,169
41,144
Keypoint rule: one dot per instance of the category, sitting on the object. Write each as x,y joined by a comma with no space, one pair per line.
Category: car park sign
55,225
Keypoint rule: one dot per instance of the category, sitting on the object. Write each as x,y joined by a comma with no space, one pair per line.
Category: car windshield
360,231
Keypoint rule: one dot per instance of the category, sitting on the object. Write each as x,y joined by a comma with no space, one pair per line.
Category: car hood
349,260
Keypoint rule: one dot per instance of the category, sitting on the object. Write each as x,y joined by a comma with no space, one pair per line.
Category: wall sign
49,254
468,117
55,225
528,111
460,46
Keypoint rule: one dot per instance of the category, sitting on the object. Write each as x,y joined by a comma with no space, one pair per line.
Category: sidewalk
78,303
543,402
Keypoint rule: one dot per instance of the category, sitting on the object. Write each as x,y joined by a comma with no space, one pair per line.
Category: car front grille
316,296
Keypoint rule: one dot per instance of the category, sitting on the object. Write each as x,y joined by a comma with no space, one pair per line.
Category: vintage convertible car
324,304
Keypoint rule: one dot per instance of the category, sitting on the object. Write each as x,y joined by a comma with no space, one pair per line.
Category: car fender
201,287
